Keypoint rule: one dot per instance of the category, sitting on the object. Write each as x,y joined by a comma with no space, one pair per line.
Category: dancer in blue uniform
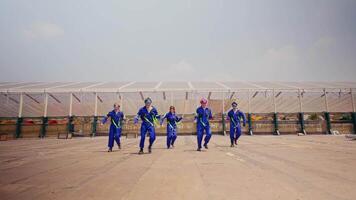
149,116
203,115
116,118
235,116
172,120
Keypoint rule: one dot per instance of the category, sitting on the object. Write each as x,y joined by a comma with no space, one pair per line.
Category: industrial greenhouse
44,109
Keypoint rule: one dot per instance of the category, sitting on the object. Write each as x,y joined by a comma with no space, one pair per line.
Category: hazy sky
87,40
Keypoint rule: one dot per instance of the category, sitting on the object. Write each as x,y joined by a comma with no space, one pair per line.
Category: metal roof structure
32,99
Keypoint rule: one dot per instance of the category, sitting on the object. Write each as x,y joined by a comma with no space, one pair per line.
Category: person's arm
137,117
122,119
178,119
197,115
210,114
154,110
228,116
105,119
162,119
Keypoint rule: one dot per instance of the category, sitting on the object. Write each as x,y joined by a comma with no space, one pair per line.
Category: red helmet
203,101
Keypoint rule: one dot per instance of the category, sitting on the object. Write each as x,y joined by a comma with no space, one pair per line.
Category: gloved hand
135,120
160,122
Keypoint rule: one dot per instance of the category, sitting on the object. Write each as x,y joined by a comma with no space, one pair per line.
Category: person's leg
117,137
199,136
174,136
143,137
207,136
111,139
169,137
232,134
238,133
152,133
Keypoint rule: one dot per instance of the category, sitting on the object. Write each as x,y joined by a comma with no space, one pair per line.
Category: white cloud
43,30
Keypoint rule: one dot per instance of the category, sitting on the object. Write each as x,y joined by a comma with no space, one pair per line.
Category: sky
161,40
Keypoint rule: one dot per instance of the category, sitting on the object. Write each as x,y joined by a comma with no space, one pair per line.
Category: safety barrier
271,123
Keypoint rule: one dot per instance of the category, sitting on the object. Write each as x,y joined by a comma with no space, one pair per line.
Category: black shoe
149,149
141,151
119,146
232,145
110,150
172,145
199,149
206,146
236,141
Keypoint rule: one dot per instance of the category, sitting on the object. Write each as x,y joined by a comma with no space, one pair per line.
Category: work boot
236,141
110,150
119,145
232,145
141,151
150,149
199,149
206,146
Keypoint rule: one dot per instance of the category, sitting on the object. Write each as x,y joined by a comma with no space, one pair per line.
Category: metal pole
300,101
121,101
249,102
274,101
45,105
223,102
96,105
326,101
223,113
352,101
20,105
301,114
70,104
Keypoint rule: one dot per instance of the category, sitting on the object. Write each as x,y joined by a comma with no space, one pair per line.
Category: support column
353,115
275,122
328,122
70,127
70,105
275,115
327,114
94,125
249,122
44,127
223,114
19,118
302,122
249,119
301,114
18,127
44,118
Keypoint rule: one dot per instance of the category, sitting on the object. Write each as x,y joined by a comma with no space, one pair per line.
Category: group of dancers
149,116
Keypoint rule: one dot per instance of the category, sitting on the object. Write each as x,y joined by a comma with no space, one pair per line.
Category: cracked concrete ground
261,167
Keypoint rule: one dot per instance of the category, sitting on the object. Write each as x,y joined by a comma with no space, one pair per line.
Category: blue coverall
172,120
148,122
203,115
235,126
115,127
